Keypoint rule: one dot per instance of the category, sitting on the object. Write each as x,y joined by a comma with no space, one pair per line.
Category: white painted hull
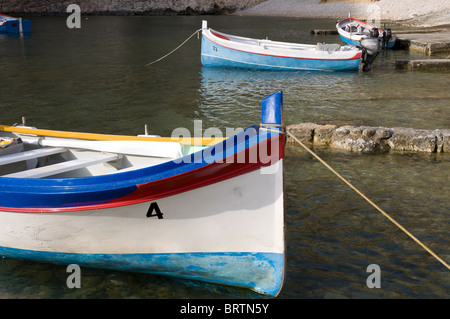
235,221
224,50
206,212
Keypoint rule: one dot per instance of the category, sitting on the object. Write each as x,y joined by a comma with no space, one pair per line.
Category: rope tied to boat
282,128
183,43
368,200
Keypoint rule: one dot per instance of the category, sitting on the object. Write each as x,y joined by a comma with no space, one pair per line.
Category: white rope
175,48
370,202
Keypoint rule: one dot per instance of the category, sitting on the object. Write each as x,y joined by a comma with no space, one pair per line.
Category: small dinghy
354,31
366,36
14,25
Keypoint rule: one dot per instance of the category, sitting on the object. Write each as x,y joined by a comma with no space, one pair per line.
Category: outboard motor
374,33
371,48
387,35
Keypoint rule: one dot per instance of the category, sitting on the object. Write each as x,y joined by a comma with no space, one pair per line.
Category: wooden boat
14,25
354,32
192,208
223,50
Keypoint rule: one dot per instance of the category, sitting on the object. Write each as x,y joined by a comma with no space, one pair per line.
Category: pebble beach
418,13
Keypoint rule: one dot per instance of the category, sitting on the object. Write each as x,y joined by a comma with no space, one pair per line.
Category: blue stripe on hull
211,57
352,42
390,44
103,189
261,272
12,26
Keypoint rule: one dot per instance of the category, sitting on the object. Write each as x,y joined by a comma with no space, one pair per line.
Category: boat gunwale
131,181
106,137
217,40
250,41
340,25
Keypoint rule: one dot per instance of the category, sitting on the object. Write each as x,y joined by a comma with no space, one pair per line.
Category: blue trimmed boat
355,32
14,25
224,50
201,209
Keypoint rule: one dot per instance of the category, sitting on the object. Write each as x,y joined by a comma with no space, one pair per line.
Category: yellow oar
108,137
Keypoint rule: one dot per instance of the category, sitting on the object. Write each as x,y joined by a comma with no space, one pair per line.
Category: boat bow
215,214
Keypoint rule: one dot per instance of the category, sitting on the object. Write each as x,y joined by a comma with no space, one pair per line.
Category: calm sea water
94,79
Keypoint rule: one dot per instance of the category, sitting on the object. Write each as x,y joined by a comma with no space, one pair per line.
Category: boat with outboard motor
224,50
353,31
366,36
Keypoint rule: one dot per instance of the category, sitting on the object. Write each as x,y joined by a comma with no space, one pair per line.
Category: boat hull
13,26
213,234
215,215
215,54
350,40
355,39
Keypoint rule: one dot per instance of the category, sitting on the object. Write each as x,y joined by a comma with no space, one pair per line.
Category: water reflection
384,97
229,96
83,80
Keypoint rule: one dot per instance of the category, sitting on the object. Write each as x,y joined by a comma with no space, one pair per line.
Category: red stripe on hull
356,56
215,172
238,164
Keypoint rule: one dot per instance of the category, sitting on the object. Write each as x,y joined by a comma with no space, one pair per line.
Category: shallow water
94,79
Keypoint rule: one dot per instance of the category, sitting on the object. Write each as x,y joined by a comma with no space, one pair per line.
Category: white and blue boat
224,50
353,31
14,25
205,209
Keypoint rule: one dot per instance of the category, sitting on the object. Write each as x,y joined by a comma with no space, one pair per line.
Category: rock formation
126,7
372,139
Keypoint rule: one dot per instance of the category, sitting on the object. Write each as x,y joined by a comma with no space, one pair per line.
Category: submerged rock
361,139
323,134
442,141
304,131
408,139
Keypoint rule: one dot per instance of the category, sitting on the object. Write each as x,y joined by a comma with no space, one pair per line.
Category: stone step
367,139
423,64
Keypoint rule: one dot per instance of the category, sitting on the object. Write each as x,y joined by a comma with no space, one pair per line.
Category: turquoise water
94,79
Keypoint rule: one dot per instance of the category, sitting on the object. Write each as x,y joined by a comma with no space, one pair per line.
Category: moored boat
355,32
224,50
194,208
14,25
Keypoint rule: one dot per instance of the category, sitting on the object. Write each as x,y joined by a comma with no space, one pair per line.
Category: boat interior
21,157
266,43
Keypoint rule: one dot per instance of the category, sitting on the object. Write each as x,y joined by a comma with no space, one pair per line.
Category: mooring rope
368,200
197,31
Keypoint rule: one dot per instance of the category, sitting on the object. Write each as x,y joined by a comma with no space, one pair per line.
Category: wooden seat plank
23,156
54,169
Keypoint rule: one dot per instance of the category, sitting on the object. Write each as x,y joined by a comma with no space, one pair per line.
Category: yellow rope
372,203
174,49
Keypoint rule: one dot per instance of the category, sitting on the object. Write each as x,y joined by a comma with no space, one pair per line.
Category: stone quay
367,139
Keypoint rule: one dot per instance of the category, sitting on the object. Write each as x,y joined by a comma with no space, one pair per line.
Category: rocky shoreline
367,139
415,12
126,7
351,138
